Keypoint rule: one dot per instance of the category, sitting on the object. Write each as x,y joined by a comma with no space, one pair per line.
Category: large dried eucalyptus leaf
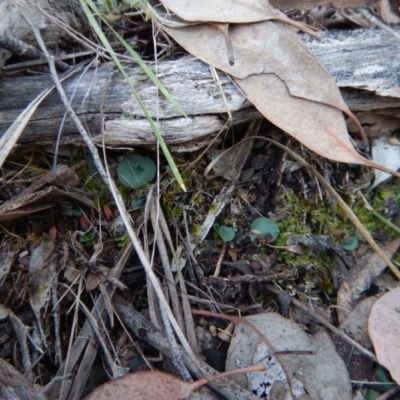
310,4
318,126
281,78
263,48
224,11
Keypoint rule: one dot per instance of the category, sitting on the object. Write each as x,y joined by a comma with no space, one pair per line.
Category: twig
117,197
83,338
176,357
117,371
220,259
347,210
367,13
26,51
162,249
154,337
56,315
21,333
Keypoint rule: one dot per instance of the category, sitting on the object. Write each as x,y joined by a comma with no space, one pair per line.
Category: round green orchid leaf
226,233
138,202
262,227
135,171
247,174
350,243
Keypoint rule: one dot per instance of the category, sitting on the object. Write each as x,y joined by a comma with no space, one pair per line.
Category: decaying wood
364,63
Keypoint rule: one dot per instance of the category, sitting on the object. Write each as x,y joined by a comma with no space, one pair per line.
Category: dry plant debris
384,330
66,243
279,75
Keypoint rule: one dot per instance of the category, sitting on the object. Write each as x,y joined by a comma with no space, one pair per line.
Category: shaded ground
64,249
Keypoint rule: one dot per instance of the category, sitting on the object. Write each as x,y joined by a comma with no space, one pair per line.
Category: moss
298,215
377,199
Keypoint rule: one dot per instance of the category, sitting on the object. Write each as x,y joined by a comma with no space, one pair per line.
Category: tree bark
364,63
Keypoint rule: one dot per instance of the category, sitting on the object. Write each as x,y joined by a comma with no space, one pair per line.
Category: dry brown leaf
233,11
92,281
310,4
151,385
144,386
24,211
384,331
282,79
318,126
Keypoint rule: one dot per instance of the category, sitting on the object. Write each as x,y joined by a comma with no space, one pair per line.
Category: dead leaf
229,164
222,11
389,11
24,211
41,275
143,385
331,381
151,385
360,278
310,4
384,331
92,281
275,70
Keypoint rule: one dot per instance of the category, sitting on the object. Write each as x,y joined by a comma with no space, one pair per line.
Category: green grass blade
149,72
92,20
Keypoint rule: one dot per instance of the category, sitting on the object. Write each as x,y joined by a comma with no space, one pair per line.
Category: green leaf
226,233
262,227
76,212
136,171
138,202
247,173
90,162
350,243
371,395
87,238
86,6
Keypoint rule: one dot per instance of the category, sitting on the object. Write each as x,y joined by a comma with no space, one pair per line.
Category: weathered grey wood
360,59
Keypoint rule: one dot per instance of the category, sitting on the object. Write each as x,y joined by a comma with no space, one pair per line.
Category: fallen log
363,61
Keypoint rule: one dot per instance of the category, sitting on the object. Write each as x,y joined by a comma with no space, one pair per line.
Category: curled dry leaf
310,4
144,385
229,12
384,331
151,385
274,69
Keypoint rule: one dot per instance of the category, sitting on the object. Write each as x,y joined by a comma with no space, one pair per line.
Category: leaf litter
289,354
279,76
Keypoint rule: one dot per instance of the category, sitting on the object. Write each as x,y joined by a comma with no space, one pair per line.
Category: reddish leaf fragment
53,233
108,213
384,331
143,386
